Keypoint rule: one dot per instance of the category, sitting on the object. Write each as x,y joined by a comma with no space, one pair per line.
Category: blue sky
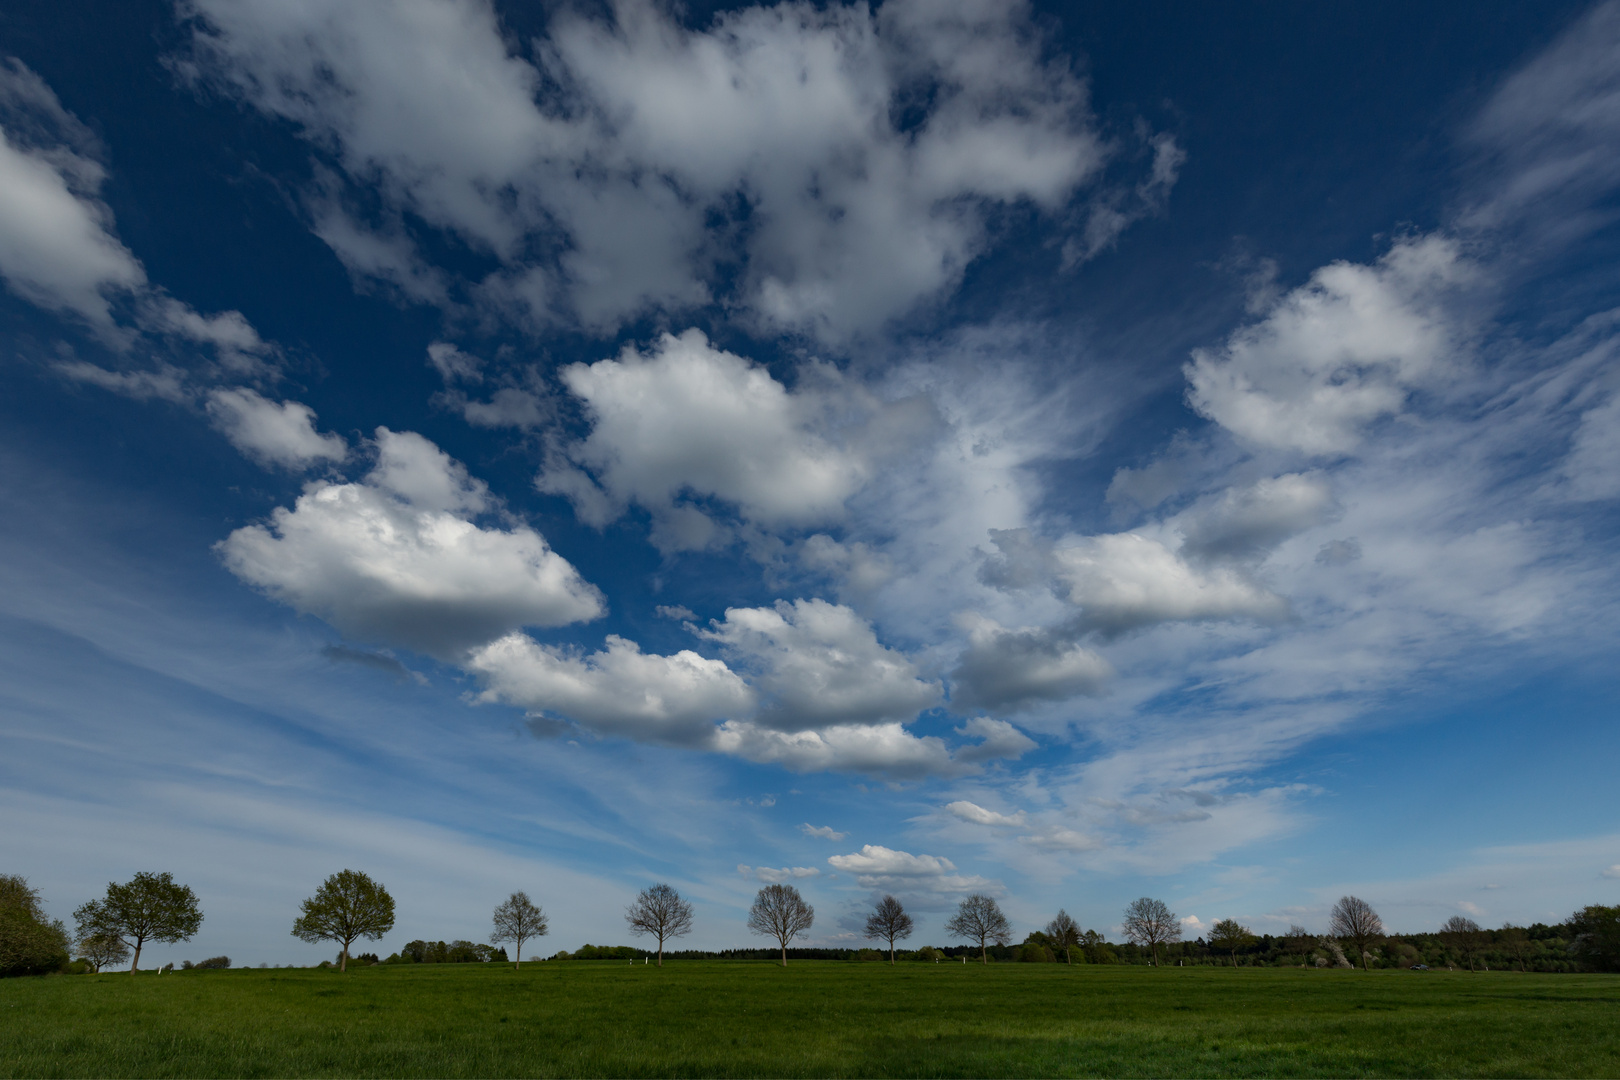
1066,454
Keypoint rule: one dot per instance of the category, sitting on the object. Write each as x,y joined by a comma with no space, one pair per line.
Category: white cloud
1612,872
868,748
395,559
619,691
820,664
978,815
1247,522
1337,353
878,867
687,419
273,434
1123,581
826,832
1592,468
772,875
790,111
1060,839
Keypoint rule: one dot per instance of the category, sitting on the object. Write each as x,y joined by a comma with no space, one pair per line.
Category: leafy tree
1354,920
1064,933
889,920
1149,922
348,905
1096,950
30,943
101,950
1462,934
1595,936
149,907
517,920
661,912
979,918
780,912
1517,942
1231,935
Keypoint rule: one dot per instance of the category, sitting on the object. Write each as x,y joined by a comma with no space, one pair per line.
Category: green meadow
719,1018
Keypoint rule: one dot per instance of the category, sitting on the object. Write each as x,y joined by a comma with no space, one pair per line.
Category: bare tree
780,912
661,912
1064,932
149,907
979,918
1231,935
1462,934
1354,920
1149,922
517,920
888,920
348,905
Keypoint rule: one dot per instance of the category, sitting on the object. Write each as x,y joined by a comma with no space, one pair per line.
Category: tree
348,905
1462,934
30,942
1354,920
661,912
1231,935
518,920
1149,922
150,907
979,918
1064,933
780,912
1517,941
1595,936
889,920
101,950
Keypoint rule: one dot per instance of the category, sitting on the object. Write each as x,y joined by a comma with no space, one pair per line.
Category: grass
812,1019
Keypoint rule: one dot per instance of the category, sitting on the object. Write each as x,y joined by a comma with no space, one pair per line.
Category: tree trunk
784,954
135,964
343,958
660,952
984,957
891,952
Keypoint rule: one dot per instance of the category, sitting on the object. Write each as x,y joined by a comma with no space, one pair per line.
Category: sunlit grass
812,1019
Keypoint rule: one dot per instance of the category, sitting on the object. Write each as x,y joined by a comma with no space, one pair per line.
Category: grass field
812,1019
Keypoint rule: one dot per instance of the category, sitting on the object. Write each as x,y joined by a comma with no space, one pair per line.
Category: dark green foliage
826,1019
30,943
149,907
347,906
1595,936
456,952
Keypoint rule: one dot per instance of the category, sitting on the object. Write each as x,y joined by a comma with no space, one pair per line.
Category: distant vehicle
1420,967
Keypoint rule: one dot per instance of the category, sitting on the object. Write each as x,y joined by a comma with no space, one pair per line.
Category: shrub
215,963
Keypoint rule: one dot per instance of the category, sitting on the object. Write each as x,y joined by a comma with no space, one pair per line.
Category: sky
1068,453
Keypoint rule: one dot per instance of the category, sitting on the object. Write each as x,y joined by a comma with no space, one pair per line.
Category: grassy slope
813,1019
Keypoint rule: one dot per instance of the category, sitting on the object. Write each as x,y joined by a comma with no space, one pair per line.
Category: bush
215,963
29,943
928,954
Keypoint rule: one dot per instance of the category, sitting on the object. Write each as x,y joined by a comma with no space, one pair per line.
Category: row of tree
349,906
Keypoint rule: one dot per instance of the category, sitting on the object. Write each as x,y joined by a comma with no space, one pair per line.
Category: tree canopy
1231,935
30,943
348,905
1597,936
1354,920
148,907
1064,933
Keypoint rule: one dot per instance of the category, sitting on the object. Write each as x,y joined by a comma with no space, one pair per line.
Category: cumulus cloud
1124,581
1337,353
878,867
396,559
272,434
826,832
820,664
618,691
686,419
1248,521
614,143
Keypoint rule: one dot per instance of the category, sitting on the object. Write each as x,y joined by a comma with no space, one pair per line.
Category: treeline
350,906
